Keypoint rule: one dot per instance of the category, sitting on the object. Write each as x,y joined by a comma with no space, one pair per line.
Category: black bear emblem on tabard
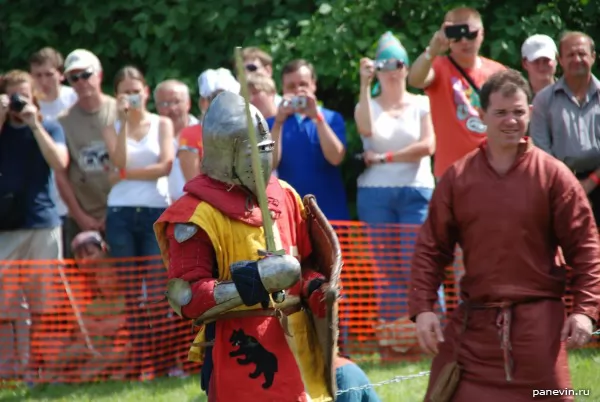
254,352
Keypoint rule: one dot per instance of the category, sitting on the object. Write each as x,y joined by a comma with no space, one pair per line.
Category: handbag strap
464,74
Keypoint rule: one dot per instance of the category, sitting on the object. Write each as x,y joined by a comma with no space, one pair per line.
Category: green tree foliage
181,38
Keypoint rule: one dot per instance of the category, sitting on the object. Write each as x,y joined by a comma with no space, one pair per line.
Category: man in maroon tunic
509,206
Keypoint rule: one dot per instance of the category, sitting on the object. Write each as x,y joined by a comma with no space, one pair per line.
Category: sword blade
261,188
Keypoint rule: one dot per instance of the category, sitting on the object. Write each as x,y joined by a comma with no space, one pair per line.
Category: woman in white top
398,140
395,189
141,147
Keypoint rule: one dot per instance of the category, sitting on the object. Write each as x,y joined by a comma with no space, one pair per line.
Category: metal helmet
227,155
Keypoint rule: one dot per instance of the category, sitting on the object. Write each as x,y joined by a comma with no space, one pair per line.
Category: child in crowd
95,343
350,377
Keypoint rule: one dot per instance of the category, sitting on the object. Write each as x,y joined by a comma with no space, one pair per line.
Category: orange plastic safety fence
107,319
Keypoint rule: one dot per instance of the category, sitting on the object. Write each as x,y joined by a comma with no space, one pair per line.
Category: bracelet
594,177
122,174
319,118
389,157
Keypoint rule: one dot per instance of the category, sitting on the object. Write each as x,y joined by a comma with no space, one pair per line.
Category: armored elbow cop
179,294
252,283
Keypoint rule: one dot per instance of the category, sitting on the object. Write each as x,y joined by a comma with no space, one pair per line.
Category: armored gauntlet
255,280
252,282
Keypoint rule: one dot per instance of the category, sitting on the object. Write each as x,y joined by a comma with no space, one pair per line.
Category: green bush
179,39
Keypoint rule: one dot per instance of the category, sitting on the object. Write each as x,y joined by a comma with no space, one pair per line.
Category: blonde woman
395,189
141,147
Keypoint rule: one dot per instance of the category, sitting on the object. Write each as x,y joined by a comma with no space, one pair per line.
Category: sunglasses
84,75
388,65
251,67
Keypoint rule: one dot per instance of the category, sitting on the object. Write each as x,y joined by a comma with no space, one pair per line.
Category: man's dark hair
507,82
295,65
48,55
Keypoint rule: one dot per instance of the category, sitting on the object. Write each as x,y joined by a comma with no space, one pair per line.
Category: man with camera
452,83
30,227
310,141
29,149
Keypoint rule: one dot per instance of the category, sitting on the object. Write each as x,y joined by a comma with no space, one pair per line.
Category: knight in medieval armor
267,324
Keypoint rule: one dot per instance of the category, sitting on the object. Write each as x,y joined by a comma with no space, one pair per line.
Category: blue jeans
392,213
399,205
129,233
351,376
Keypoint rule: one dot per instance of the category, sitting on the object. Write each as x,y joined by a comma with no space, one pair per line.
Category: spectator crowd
85,174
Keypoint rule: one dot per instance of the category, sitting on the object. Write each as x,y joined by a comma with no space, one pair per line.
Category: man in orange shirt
190,151
454,100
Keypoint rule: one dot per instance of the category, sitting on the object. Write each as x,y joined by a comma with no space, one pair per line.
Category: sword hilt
278,297
267,253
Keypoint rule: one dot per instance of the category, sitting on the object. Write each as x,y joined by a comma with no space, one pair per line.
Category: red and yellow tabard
279,366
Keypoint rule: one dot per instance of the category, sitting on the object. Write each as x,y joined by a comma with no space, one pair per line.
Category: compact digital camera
388,65
135,101
297,102
16,103
457,32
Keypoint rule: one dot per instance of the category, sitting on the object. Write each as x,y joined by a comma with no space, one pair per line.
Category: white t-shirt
66,98
50,111
391,134
140,154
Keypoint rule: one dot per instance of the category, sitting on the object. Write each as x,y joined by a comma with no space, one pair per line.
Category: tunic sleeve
193,261
434,249
577,234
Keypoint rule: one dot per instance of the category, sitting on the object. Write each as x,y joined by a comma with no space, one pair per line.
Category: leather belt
279,313
254,313
503,323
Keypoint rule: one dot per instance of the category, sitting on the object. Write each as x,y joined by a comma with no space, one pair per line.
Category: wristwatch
381,158
427,54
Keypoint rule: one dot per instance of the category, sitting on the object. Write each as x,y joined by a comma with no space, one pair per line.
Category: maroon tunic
509,227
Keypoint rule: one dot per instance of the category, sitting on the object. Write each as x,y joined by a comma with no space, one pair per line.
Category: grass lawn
585,369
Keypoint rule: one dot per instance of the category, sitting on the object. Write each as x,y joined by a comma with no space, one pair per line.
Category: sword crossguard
278,297
266,253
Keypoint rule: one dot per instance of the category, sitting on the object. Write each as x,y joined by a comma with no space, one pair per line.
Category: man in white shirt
46,66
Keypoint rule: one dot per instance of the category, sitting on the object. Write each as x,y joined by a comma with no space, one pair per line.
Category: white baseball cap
81,59
537,46
217,80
